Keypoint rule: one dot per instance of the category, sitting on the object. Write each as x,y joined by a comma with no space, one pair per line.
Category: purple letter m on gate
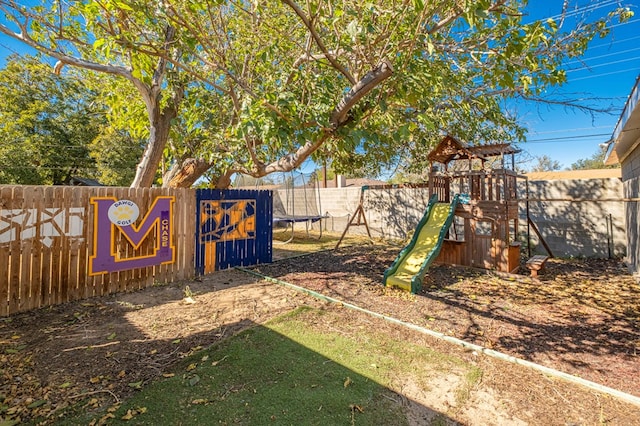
156,227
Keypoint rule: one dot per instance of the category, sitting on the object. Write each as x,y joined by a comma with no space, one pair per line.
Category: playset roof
450,149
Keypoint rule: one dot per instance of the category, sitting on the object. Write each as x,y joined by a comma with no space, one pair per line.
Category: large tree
115,153
415,70
269,84
46,124
95,35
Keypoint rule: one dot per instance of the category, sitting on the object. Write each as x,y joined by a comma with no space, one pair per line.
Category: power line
589,67
37,145
598,46
5,167
569,138
623,23
9,48
70,167
571,130
558,142
581,9
590,58
602,74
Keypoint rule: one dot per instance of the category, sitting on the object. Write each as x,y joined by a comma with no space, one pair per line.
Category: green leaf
136,73
193,380
124,6
98,43
353,29
16,349
136,385
37,403
430,48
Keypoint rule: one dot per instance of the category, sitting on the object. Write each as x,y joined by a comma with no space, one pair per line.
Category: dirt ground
581,317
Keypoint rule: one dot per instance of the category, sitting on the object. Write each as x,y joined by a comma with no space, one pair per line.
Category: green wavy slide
407,271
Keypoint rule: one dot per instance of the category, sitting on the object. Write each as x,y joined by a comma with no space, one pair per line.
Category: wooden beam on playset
451,149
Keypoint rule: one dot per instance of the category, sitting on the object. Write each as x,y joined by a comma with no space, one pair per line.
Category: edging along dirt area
580,316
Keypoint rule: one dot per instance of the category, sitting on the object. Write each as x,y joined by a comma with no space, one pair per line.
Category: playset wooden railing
481,185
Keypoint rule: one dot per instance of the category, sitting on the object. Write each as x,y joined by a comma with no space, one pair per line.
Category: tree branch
319,42
360,90
292,161
338,118
161,67
64,59
309,57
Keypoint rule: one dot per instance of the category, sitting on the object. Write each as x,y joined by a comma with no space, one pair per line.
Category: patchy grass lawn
301,368
580,316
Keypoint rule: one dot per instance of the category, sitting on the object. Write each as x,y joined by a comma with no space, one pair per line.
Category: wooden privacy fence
59,244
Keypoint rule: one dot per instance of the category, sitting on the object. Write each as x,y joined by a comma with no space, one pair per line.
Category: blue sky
608,72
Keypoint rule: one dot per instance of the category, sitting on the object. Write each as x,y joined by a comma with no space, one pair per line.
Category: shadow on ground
581,316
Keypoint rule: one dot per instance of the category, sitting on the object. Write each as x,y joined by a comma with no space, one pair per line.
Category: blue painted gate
234,228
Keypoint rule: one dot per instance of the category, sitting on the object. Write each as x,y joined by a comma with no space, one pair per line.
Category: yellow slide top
426,242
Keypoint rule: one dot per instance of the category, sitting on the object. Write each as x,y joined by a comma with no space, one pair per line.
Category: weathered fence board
58,244
5,193
14,259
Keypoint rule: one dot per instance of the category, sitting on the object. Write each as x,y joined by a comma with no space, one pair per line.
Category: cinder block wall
338,204
573,216
578,217
390,213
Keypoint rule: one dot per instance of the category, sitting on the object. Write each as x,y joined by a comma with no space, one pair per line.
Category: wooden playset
485,228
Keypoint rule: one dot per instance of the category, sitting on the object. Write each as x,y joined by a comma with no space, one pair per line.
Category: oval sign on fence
123,212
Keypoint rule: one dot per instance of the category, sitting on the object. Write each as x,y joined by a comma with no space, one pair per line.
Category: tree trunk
185,173
158,137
